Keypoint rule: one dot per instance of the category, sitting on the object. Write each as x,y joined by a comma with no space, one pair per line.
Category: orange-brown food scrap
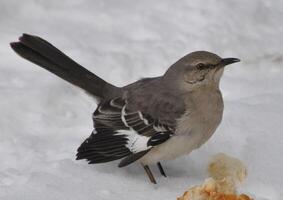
244,197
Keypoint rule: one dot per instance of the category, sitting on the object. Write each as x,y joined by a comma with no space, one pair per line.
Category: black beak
228,61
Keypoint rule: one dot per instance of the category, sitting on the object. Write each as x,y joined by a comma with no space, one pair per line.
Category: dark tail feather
44,54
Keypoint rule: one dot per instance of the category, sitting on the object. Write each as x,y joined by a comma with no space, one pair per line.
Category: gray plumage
151,120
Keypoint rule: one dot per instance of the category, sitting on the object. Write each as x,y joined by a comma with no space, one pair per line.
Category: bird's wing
157,103
121,131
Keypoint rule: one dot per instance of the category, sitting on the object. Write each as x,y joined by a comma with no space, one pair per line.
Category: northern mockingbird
150,120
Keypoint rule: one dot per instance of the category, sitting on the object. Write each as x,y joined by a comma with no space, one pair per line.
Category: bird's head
197,69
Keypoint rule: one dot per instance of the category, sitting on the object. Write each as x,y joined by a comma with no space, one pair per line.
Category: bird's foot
161,169
149,174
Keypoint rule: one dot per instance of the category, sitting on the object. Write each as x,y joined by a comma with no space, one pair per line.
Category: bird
148,121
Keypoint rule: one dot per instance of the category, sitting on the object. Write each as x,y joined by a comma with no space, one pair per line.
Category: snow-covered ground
44,119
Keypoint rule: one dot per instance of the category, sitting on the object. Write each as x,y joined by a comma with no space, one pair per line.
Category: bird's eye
201,66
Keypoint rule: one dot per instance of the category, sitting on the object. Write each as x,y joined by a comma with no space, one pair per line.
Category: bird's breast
194,128
203,115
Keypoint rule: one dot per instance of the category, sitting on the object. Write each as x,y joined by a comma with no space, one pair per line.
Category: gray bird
150,120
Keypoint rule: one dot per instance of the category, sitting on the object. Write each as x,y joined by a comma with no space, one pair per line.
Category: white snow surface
44,119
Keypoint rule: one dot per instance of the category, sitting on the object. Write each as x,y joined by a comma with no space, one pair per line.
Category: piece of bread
225,172
210,190
223,166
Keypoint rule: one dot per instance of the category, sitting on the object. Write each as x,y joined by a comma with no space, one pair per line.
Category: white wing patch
136,142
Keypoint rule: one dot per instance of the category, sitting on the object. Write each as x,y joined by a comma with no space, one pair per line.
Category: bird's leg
149,174
161,169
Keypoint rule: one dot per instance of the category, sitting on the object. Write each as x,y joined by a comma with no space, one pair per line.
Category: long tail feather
44,54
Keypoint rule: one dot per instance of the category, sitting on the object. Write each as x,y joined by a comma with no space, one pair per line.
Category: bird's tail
44,54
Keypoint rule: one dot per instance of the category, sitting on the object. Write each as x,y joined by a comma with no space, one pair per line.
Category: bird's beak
228,61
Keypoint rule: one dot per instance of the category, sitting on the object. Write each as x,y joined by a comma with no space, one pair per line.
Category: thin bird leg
161,169
149,174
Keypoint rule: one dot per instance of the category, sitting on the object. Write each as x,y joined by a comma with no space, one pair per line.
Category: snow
44,119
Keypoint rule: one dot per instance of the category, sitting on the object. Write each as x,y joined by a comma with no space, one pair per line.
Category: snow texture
44,119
